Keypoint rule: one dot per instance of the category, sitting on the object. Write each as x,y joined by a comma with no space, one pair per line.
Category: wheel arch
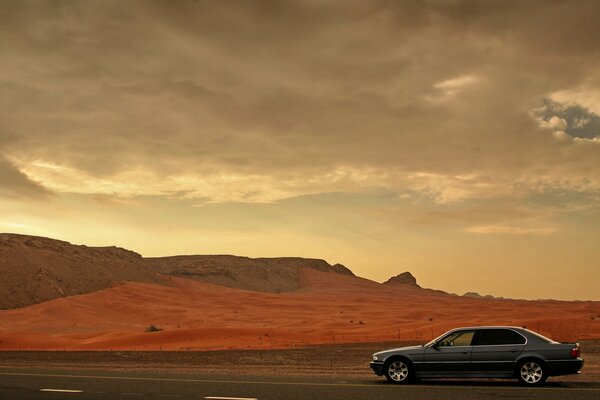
530,356
394,357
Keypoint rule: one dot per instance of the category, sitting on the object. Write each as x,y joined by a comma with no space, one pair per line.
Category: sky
457,140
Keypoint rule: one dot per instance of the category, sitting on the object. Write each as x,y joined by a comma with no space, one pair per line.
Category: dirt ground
331,360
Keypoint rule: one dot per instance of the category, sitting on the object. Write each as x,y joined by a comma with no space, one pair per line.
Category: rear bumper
377,367
565,367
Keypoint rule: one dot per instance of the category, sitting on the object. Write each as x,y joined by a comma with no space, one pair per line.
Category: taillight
575,352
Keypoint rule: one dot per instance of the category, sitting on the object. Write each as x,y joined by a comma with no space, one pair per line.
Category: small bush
153,328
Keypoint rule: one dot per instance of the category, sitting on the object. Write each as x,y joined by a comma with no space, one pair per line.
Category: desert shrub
153,328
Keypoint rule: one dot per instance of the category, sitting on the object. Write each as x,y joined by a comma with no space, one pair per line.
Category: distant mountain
36,269
476,295
405,278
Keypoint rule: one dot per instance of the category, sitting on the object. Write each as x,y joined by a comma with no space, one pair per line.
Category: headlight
374,357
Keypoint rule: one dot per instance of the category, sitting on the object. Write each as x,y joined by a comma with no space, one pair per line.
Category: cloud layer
248,101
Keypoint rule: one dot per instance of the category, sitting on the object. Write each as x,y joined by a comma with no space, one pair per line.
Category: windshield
436,339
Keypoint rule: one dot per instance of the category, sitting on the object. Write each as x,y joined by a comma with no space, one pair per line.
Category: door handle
513,351
465,352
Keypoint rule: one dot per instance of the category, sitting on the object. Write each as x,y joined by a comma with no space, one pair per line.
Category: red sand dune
329,307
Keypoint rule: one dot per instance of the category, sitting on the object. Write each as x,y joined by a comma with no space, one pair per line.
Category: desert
290,303
72,312
76,308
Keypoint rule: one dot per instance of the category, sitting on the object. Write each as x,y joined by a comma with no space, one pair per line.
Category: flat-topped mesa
405,278
273,275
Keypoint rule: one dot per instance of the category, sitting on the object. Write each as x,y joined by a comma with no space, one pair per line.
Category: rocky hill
35,269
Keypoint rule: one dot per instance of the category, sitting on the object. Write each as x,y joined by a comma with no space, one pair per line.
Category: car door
495,351
450,356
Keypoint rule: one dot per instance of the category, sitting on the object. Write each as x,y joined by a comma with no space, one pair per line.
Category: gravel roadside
330,360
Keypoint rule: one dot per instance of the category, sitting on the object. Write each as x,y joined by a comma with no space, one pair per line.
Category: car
481,352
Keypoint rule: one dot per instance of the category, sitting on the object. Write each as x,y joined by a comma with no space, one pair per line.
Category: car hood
405,350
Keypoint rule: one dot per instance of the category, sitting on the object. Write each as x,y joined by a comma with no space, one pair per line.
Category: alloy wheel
398,371
531,372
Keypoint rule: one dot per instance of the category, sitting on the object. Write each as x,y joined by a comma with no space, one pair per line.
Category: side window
461,338
490,337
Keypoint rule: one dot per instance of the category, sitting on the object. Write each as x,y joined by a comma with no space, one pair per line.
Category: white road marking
229,398
237,382
61,390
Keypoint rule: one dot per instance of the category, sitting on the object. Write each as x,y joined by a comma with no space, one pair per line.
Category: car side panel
495,358
444,361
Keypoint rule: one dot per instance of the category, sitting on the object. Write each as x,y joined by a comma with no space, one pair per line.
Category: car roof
488,327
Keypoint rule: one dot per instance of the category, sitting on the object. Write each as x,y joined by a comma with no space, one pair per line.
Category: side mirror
434,345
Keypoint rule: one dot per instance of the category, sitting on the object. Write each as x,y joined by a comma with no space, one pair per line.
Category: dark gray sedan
481,352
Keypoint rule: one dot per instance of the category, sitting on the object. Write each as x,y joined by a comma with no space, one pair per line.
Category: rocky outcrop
405,278
476,295
36,269
259,274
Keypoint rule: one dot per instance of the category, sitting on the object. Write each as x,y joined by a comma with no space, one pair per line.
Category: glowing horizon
459,141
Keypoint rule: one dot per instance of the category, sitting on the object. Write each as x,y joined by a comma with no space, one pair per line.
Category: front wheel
398,371
532,372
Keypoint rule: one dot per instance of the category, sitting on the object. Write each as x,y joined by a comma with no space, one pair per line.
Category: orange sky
457,140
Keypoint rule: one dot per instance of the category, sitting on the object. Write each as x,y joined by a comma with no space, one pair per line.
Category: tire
398,371
532,372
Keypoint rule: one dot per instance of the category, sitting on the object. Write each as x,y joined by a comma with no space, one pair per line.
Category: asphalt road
24,384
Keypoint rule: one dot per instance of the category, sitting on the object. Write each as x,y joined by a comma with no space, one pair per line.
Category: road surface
34,384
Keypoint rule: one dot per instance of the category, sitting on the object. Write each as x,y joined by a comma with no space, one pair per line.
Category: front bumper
377,367
565,367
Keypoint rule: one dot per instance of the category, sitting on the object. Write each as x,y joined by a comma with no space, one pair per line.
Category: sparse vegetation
153,328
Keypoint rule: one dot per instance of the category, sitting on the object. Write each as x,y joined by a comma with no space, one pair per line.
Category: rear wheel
398,371
532,372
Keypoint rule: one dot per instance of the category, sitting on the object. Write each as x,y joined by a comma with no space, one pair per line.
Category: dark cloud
13,183
288,94
578,121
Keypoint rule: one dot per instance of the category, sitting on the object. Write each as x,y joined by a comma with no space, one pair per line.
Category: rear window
544,338
487,337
